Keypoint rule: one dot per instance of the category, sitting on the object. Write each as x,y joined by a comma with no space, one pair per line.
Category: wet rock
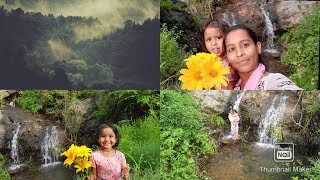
291,13
31,133
183,22
213,101
6,93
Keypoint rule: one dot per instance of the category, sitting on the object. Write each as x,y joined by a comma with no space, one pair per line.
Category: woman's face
242,52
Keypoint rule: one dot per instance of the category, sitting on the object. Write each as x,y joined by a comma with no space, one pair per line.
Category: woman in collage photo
238,96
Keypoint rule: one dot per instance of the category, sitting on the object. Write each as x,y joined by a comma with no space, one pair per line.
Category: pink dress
233,76
108,168
234,119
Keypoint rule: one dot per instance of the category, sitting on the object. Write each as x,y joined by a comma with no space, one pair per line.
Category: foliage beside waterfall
111,106
302,51
135,113
182,137
114,106
4,174
171,58
314,173
141,145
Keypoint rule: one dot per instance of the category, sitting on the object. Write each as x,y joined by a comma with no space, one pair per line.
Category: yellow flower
84,151
215,73
206,56
83,164
191,78
204,71
71,154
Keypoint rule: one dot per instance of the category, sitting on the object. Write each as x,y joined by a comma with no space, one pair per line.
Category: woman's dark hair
115,130
249,31
223,26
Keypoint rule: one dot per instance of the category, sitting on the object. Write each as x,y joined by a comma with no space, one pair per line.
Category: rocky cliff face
253,108
283,16
31,134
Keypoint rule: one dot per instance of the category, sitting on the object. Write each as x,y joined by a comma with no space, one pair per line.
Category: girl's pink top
234,118
233,76
108,168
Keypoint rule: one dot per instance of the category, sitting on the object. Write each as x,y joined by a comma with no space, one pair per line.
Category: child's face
107,138
213,39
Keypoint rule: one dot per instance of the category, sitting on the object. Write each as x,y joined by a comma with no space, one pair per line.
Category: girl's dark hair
250,33
223,26
115,130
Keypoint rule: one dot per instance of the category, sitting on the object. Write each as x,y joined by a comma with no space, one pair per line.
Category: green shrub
133,103
4,174
34,100
215,119
168,5
314,174
182,136
171,58
310,107
302,51
140,142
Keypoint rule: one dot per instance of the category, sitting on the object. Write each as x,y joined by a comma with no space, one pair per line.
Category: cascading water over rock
268,124
49,146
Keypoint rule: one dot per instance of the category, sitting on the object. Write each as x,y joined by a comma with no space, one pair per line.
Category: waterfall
237,103
14,149
269,28
270,120
49,150
228,17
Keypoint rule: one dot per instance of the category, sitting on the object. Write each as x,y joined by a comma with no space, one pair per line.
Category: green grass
302,51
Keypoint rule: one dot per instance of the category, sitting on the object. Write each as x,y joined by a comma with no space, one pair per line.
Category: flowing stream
15,149
269,124
49,147
268,28
229,18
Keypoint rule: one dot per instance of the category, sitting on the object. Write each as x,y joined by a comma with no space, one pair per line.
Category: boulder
31,133
6,93
291,13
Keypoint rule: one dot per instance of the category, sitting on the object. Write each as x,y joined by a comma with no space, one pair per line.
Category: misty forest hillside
42,51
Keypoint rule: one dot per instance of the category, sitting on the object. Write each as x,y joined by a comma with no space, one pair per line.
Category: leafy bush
171,58
215,119
310,107
34,100
115,106
314,174
168,5
4,174
141,145
302,51
182,136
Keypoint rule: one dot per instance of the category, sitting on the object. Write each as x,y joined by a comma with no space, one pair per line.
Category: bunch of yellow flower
79,156
205,71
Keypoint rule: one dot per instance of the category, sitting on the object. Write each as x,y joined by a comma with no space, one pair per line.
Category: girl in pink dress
213,35
108,163
234,120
